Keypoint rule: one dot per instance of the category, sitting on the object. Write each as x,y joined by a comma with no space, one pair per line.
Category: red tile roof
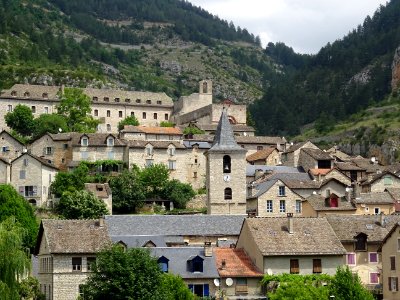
237,263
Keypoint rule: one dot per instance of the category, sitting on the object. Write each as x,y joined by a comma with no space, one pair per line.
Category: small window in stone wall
77,264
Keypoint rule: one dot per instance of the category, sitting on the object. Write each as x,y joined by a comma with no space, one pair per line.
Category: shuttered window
317,266
294,266
393,263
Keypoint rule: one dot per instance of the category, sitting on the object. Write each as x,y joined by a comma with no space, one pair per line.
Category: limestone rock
396,70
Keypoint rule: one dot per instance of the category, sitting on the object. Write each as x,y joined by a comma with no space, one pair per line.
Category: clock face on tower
227,178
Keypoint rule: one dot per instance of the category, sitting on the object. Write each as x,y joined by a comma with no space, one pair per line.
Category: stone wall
388,250
10,148
380,186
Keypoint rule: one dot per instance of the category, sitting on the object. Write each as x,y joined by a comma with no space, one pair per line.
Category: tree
13,204
14,262
193,130
75,106
70,181
125,274
131,120
21,120
51,123
81,205
154,178
174,288
347,286
179,193
29,289
166,124
128,191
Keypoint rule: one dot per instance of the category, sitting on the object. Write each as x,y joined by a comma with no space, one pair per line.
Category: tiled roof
232,262
315,172
28,91
338,154
394,192
374,198
73,236
101,190
95,139
295,147
395,168
251,169
349,226
366,164
379,176
317,154
224,139
261,154
174,225
311,236
61,136
155,144
348,166
153,130
319,203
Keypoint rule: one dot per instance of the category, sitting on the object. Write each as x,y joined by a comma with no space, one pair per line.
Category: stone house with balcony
291,245
65,250
10,147
32,176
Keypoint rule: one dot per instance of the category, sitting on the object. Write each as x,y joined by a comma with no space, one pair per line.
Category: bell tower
225,172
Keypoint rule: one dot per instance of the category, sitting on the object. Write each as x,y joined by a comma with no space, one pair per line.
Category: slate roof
295,147
237,263
311,236
139,241
153,130
317,154
348,166
155,144
379,176
367,165
201,145
224,139
251,169
374,198
394,192
4,160
174,225
319,203
10,136
35,92
73,236
347,227
261,154
178,257
60,136
95,139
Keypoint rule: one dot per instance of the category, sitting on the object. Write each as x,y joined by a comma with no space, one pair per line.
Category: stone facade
5,170
391,264
291,158
10,148
386,181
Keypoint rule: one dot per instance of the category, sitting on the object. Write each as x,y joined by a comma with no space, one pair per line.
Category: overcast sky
304,25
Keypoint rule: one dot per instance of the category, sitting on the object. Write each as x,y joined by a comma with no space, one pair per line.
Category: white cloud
305,25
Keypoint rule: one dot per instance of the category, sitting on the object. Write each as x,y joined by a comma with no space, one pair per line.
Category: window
148,101
294,266
149,162
166,117
5,149
95,99
373,278
393,263
281,191
49,151
269,206
351,259
106,99
120,114
282,206
110,142
144,115
29,191
149,150
228,194
96,112
84,155
22,174
14,93
172,165
259,148
373,257
387,180
226,164
159,102
171,151
163,263
110,155
205,87
298,206
324,164
194,174
132,113
33,108
201,290
317,266
26,94
46,110
127,100
353,175
45,95
393,284
26,162
377,210
196,264
155,116
90,261
108,113
9,108
398,244
108,127
116,99
84,142
241,285
361,242
77,264
138,100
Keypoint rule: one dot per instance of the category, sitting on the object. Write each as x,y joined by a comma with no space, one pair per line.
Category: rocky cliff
396,70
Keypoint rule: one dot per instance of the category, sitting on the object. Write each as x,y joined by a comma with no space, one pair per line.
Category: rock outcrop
396,70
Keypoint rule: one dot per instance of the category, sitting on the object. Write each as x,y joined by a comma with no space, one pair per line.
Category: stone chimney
101,222
258,173
207,249
290,222
382,219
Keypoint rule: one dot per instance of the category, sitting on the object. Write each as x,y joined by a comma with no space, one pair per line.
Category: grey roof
317,154
139,241
263,187
201,145
178,261
374,198
174,225
348,166
224,139
394,192
251,169
43,161
320,203
295,147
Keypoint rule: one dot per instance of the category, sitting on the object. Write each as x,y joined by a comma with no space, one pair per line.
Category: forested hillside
343,78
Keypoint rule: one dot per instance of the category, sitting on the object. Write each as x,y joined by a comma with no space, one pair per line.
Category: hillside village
272,207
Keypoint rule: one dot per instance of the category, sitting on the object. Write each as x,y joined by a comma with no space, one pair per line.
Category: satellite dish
229,281
59,130
216,282
269,271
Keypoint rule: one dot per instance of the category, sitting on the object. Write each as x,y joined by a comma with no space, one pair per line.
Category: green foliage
49,123
29,289
20,120
347,286
12,204
154,178
179,193
81,205
131,120
70,181
324,123
128,191
14,262
167,124
193,130
174,288
75,107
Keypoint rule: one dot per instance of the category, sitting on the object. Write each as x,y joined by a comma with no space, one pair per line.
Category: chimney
207,249
290,222
101,222
382,219
258,173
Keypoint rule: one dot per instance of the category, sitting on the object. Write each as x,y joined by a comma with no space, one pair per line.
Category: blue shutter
191,287
206,290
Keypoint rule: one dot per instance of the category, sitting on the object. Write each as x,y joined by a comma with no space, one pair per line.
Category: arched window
227,164
361,242
228,194
205,88
163,263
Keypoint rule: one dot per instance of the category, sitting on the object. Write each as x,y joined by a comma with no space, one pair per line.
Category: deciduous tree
21,120
131,120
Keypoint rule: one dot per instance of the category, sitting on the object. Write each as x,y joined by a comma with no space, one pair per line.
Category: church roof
224,139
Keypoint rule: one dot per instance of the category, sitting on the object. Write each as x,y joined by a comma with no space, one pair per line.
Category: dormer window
227,164
195,264
148,101
159,102
127,100
84,142
163,263
228,194
282,191
138,101
106,99
95,99
110,141
361,242
171,151
45,95
116,99
149,150
27,94
14,93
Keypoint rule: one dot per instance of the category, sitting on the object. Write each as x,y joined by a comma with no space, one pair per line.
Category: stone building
310,158
66,249
5,171
149,133
374,203
268,156
226,172
11,148
380,182
103,192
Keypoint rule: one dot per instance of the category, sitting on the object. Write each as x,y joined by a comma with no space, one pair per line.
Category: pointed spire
224,139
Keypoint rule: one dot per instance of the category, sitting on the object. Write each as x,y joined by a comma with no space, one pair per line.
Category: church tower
225,172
